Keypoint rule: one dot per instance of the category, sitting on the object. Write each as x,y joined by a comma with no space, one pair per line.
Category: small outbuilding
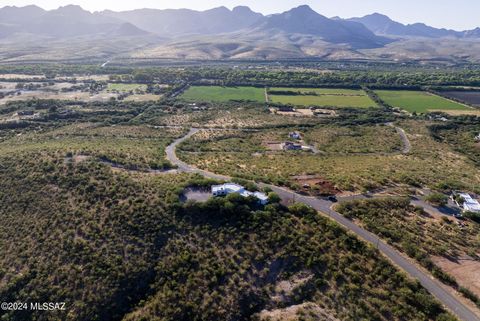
291,146
295,135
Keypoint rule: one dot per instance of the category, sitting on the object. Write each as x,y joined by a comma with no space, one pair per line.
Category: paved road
324,206
182,166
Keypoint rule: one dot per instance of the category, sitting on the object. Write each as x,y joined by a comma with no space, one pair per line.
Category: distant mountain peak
71,8
242,9
304,20
221,9
384,25
304,10
378,15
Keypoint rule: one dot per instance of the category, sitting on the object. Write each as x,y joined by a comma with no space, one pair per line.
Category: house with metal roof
230,188
291,146
469,203
227,188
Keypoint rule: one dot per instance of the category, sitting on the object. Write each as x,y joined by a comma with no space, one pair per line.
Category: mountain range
221,33
383,25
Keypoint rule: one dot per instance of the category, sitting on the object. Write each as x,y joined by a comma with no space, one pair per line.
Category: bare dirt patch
143,97
273,145
315,185
80,96
196,194
475,112
285,289
465,270
324,112
21,76
80,158
294,113
306,311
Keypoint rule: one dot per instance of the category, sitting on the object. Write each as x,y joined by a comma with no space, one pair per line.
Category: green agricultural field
322,97
222,94
418,101
126,87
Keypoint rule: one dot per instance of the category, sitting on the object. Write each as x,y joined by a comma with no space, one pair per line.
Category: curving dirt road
324,206
407,146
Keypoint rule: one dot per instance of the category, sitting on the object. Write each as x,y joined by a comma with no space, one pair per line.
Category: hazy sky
456,14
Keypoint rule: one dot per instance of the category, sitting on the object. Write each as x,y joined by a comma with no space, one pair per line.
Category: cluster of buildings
230,188
467,202
295,146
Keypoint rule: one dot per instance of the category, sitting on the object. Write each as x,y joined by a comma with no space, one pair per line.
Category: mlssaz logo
47,306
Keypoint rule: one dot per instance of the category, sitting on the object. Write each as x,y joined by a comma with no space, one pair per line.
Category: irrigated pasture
223,94
331,97
418,101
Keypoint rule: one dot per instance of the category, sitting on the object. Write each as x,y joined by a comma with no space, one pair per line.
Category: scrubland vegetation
91,217
353,158
416,233
116,245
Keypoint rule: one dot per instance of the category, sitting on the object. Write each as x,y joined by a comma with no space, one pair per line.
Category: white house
230,188
295,135
469,204
262,198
